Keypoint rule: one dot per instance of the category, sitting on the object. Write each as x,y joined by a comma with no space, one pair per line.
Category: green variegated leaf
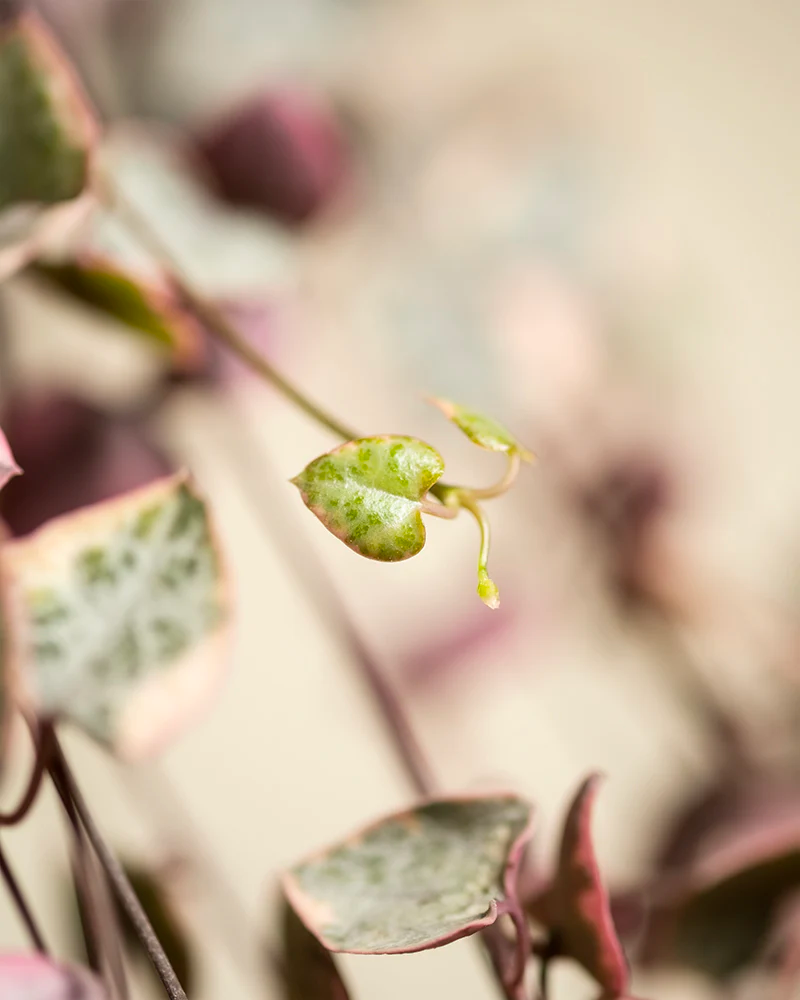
415,880
482,430
370,494
147,306
122,614
309,971
47,134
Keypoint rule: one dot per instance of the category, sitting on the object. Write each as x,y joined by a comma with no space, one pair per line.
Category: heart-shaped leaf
47,135
8,467
370,494
34,977
575,907
309,971
122,610
146,305
482,430
415,880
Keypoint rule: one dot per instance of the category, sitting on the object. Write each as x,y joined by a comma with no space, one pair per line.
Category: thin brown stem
120,884
25,912
98,919
42,759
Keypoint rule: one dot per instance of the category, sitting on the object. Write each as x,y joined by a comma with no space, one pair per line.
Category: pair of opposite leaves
442,871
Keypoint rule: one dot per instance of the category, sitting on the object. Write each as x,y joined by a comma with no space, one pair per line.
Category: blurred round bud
73,455
282,152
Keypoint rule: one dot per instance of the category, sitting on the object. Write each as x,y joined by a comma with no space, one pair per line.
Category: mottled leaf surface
309,970
482,430
415,880
122,611
369,493
147,306
8,467
47,134
576,906
33,977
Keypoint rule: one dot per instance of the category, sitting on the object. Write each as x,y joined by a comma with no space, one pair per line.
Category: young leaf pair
371,493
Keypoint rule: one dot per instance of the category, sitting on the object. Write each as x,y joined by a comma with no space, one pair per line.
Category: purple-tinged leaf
46,142
575,908
8,467
718,914
483,431
308,969
148,306
74,455
33,977
123,611
281,152
415,880
370,492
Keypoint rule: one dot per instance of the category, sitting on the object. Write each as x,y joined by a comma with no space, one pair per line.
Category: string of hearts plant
116,618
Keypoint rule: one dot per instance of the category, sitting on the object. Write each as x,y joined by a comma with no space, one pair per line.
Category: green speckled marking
42,159
368,493
108,616
482,430
415,880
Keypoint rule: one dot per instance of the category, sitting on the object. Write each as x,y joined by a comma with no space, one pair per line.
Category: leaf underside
368,493
309,970
579,904
415,880
141,305
122,610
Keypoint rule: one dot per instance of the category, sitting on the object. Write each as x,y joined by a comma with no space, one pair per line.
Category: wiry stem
43,750
120,884
21,904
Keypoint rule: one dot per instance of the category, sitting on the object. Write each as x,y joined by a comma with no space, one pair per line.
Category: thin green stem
503,485
467,501
214,319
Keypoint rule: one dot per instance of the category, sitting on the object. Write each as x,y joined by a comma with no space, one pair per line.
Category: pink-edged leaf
576,906
123,612
47,140
146,305
308,969
74,455
8,467
281,152
33,977
370,493
415,880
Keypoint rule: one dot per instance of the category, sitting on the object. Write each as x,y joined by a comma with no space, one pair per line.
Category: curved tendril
503,485
487,589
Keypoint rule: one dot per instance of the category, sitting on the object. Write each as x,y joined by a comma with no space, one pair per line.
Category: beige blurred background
653,293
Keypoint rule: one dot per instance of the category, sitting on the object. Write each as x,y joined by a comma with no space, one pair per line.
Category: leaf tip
488,590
